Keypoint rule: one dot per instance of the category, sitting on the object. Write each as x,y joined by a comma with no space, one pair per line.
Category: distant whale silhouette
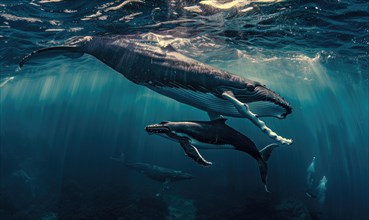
154,172
186,80
212,135
310,178
160,174
321,188
22,175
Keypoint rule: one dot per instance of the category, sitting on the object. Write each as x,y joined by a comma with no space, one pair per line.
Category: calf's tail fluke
263,166
267,151
50,52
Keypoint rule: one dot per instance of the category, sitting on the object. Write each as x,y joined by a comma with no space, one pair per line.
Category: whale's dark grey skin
155,172
213,134
186,80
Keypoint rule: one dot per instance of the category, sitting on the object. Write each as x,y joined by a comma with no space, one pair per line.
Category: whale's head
160,128
271,102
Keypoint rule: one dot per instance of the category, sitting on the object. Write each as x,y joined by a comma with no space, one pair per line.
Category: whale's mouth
276,99
157,129
265,103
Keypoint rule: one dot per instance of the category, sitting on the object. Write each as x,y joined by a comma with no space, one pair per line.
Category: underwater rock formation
49,216
291,209
145,208
180,208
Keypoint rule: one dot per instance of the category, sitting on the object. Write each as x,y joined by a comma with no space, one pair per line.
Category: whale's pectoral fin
47,53
165,186
244,109
214,116
191,151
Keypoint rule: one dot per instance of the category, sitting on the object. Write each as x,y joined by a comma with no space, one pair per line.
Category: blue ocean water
62,119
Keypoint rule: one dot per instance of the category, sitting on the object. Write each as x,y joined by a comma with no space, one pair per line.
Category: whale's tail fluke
263,166
46,53
267,151
121,158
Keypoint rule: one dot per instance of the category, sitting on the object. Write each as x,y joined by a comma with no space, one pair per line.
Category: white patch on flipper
244,109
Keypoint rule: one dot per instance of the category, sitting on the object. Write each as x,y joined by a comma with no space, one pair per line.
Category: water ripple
339,27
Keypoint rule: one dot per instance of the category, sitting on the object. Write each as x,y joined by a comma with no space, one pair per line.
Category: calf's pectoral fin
244,109
191,151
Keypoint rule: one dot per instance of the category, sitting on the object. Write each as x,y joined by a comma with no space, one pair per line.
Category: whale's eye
250,87
163,122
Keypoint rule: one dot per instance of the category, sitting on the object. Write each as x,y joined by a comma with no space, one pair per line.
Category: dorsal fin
219,120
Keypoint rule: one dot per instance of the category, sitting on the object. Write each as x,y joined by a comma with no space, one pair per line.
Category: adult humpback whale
186,80
212,135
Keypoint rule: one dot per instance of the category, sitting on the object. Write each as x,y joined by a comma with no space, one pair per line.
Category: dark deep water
62,120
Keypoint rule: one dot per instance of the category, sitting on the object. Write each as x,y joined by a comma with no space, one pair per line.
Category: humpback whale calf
184,79
213,134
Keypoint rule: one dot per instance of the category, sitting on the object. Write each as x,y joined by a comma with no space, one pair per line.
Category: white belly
211,103
204,146
204,101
